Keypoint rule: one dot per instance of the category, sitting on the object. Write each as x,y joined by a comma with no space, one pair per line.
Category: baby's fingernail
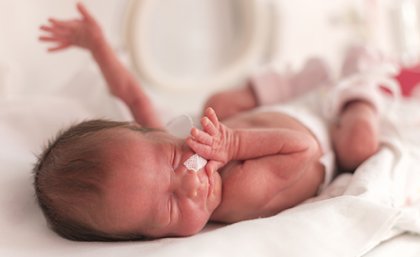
194,131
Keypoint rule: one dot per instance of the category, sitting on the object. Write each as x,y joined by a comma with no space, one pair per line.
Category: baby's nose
188,184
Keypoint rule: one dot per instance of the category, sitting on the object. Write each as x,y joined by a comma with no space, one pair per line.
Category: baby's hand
214,142
84,32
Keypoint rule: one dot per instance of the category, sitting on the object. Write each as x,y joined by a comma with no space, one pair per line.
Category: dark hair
68,176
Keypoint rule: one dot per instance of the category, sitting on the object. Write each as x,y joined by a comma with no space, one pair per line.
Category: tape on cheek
195,163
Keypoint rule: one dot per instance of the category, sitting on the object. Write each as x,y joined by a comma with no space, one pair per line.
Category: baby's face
149,191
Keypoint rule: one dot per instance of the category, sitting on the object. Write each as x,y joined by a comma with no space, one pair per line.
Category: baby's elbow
296,163
307,157
311,149
302,144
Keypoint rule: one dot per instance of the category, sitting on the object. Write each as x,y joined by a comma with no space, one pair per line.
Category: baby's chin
193,230
185,231
194,224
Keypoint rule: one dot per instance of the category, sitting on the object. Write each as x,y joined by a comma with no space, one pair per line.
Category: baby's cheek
194,220
193,226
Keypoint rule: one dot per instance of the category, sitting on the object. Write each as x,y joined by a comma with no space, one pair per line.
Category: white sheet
367,207
324,228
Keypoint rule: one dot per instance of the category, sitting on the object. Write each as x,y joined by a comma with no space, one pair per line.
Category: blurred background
183,50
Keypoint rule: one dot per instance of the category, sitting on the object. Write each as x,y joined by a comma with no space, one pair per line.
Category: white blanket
350,218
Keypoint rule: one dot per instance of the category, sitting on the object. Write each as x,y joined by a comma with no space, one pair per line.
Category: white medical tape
195,163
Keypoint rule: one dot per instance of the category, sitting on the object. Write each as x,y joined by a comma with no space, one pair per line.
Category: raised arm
86,33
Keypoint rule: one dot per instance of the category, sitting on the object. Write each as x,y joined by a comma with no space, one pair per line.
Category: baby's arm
277,168
221,144
87,34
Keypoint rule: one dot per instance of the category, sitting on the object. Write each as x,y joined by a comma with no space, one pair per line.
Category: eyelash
171,206
173,160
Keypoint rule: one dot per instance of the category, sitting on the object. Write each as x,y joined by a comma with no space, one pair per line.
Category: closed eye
173,153
172,207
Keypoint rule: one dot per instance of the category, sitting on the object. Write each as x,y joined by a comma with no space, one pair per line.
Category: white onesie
309,110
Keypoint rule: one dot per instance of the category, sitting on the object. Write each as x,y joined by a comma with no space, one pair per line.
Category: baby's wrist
97,44
233,144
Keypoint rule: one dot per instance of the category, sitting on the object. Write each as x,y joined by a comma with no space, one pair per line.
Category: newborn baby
107,180
103,179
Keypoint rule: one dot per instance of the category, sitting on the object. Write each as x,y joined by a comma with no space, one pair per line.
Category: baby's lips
211,168
208,170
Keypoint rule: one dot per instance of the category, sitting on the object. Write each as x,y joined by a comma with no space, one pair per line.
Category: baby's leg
355,134
270,86
230,102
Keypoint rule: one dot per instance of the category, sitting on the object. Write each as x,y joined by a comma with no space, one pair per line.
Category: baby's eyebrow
144,130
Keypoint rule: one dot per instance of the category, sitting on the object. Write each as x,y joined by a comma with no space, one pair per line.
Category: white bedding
366,209
351,218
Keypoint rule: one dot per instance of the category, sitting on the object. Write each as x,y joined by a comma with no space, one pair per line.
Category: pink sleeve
270,86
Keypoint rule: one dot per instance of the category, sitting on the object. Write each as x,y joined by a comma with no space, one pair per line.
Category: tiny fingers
211,114
49,39
83,11
199,148
46,28
55,39
57,23
60,32
59,47
60,42
208,126
201,136
210,122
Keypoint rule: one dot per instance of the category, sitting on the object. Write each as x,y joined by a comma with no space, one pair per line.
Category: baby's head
105,180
